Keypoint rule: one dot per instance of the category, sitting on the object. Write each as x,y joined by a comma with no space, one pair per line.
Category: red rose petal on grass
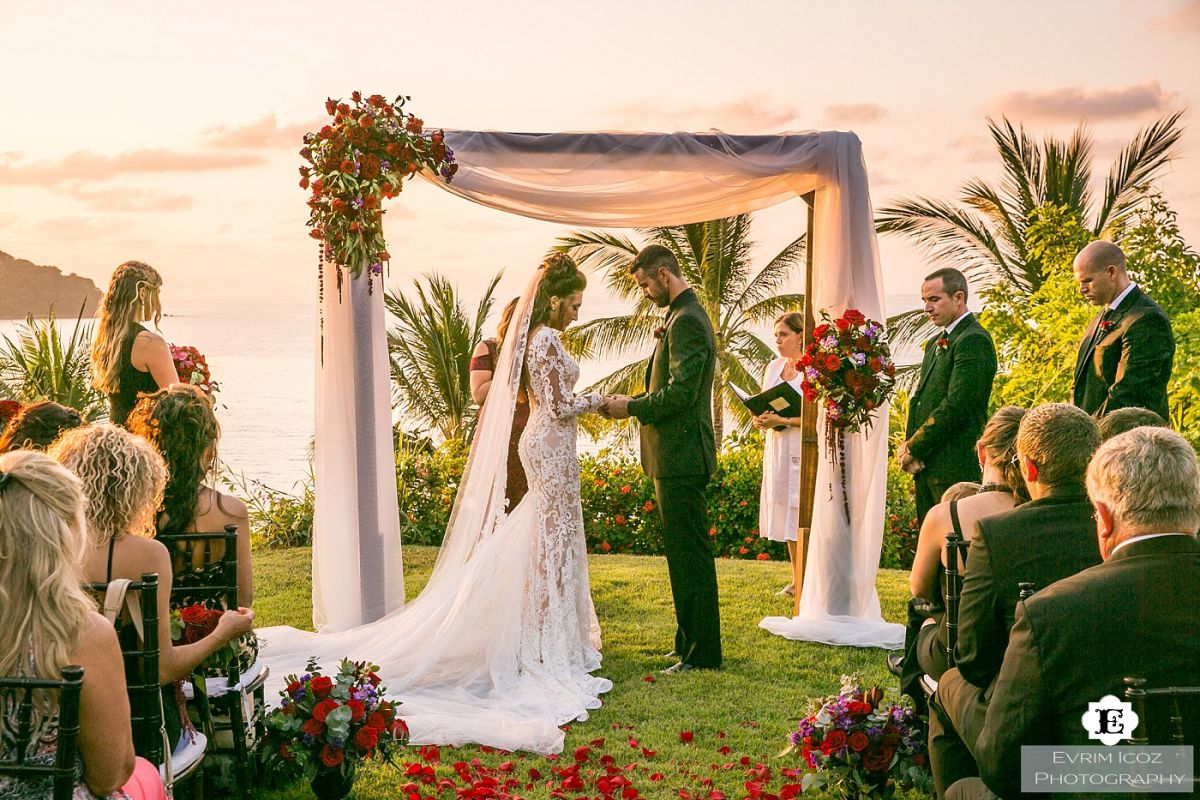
535,773
724,750
656,777
629,793
686,737
633,742
716,794
505,766
597,742
649,679
582,753
648,753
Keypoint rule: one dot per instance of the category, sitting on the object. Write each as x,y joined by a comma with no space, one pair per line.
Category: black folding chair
16,760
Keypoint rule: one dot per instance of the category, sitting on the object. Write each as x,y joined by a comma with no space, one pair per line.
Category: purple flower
859,359
377,268
357,202
385,166
829,343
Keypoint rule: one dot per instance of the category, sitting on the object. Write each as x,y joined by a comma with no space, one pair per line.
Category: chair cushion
187,755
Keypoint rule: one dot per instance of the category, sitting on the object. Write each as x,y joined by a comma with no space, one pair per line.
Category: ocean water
263,358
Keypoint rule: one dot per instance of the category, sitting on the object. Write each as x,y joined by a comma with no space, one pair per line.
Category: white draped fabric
639,179
358,573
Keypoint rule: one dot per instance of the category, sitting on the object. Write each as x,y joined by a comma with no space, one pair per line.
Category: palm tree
715,258
40,364
984,234
430,351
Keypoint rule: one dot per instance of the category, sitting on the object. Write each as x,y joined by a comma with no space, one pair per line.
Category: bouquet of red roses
326,724
855,745
192,368
192,623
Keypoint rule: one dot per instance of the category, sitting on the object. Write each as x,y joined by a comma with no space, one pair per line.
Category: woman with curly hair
123,479
127,359
180,423
50,622
36,426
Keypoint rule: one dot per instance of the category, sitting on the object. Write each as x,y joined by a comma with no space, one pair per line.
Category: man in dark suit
1049,538
1134,615
1126,354
949,408
679,451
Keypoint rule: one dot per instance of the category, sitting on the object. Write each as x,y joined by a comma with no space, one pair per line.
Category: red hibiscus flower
332,756
321,686
858,741
805,360
322,709
366,738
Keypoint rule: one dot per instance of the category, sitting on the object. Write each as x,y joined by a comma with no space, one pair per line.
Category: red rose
377,722
326,132
330,107
194,614
834,741
862,343
292,687
357,710
331,756
842,324
323,709
858,741
322,685
876,758
806,360
832,362
820,331
366,738
399,730
356,96
875,363
438,137
313,727
343,108
854,316
285,753
346,166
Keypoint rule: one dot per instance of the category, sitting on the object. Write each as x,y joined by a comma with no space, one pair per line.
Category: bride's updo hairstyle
132,296
561,278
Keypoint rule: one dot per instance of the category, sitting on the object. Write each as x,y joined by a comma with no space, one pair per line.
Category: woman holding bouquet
128,359
779,499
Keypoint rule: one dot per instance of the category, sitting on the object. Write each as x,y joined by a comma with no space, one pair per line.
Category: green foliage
1161,262
277,518
1183,392
900,510
427,479
41,365
430,352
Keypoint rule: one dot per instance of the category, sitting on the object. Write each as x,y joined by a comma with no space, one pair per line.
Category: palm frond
950,235
909,329
777,272
597,251
1022,163
768,309
606,336
1140,162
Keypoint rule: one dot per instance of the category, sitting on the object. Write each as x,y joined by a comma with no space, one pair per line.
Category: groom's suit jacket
675,411
1128,364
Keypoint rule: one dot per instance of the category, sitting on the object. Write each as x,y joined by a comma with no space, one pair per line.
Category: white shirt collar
1116,301
1141,538
952,325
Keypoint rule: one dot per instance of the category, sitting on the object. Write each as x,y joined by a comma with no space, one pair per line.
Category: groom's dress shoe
677,668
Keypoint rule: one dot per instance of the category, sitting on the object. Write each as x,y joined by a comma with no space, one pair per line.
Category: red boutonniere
942,343
1105,324
659,331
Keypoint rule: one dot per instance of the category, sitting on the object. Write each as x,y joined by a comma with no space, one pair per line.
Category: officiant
779,499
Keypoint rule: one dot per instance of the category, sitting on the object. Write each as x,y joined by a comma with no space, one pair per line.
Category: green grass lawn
749,707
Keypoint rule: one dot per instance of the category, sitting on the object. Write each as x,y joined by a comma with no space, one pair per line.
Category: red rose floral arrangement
855,745
192,368
353,164
848,371
325,725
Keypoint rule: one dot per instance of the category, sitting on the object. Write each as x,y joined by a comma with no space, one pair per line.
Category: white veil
452,655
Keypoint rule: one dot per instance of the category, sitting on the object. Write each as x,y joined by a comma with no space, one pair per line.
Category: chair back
141,669
1142,697
956,551
201,577
1025,590
14,760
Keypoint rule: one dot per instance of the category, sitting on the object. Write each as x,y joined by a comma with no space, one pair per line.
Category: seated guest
1126,419
1001,490
50,622
123,481
180,423
1075,641
36,426
1045,540
961,491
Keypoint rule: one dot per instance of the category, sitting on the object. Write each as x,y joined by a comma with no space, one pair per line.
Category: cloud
851,113
1074,103
1183,20
86,166
130,199
754,113
974,147
262,134
78,229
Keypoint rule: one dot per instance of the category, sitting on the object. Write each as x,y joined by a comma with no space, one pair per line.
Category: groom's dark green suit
679,452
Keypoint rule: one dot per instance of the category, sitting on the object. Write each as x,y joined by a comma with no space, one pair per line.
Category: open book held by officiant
780,399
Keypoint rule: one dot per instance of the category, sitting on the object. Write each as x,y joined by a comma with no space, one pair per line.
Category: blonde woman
123,480
49,622
779,499
128,359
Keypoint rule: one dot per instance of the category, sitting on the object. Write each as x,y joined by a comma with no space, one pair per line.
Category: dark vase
333,784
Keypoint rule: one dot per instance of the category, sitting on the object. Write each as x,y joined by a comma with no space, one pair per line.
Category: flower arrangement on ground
855,745
848,371
356,162
192,368
325,725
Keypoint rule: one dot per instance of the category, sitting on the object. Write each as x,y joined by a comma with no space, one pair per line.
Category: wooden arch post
808,422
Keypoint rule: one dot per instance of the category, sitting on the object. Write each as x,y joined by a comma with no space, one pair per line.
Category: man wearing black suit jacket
949,408
1133,615
1126,354
1045,540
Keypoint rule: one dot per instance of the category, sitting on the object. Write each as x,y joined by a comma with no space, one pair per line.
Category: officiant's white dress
498,647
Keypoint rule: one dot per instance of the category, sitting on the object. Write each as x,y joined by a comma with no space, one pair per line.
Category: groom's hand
617,407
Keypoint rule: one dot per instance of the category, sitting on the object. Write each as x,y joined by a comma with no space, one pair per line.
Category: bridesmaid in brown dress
483,364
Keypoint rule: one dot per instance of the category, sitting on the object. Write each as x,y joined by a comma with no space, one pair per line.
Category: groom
679,451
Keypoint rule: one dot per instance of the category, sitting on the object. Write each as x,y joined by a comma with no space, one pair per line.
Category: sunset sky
167,132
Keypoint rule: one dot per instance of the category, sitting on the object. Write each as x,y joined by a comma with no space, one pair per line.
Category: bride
498,647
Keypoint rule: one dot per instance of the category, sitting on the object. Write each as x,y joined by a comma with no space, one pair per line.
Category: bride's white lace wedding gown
498,647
